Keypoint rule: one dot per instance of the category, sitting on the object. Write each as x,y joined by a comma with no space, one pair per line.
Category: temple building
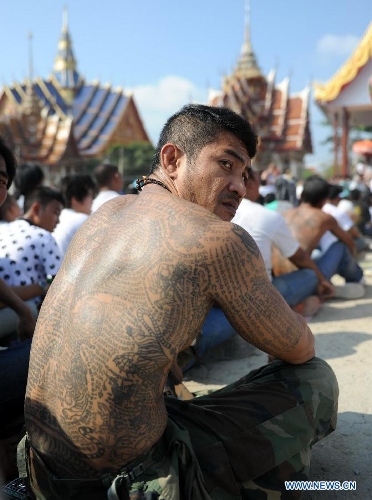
345,99
63,121
281,119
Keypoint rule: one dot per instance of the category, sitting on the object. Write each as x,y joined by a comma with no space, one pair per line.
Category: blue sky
169,52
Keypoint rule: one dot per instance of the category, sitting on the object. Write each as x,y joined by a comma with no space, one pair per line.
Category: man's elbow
302,358
303,351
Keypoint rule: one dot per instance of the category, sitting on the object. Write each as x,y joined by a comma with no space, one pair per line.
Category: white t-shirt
102,197
69,223
343,220
268,189
27,253
267,228
346,206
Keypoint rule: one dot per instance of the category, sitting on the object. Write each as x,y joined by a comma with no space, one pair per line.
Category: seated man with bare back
309,224
134,289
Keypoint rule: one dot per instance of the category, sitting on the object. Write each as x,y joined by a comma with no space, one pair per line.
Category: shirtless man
308,223
134,289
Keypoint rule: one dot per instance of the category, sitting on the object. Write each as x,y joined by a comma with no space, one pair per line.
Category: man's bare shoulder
304,212
214,233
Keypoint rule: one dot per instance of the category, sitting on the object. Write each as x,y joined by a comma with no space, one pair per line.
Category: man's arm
27,321
253,306
302,260
355,233
27,292
341,234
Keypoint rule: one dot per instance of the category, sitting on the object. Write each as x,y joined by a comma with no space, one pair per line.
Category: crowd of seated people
291,232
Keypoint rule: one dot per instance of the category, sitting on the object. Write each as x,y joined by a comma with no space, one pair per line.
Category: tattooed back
134,289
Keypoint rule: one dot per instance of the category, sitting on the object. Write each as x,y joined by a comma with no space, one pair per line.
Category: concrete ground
343,331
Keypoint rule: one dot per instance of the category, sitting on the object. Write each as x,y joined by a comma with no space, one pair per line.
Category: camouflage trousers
240,442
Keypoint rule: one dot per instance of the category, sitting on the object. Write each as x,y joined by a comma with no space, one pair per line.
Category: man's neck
29,220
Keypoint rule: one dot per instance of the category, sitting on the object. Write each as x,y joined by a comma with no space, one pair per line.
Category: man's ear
170,156
33,212
75,203
35,209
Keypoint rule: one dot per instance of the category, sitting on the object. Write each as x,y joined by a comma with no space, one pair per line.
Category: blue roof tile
16,95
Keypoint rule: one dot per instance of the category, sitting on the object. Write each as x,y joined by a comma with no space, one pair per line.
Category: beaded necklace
141,183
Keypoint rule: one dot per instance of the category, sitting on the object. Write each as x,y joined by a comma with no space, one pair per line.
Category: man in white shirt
343,219
110,183
269,228
28,251
15,314
77,190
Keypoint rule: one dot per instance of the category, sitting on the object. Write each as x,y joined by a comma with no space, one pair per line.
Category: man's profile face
3,181
216,177
48,216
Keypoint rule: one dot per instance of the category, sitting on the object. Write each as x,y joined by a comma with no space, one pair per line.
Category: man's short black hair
76,186
104,174
316,190
196,125
334,191
355,194
28,177
43,195
10,161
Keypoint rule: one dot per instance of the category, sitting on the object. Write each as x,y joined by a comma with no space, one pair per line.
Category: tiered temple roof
280,119
63,118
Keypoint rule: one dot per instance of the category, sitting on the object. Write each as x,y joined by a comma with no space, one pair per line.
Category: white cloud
337,45
157,102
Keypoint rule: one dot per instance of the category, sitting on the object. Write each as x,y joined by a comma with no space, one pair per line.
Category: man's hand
26,323
176,372
325,290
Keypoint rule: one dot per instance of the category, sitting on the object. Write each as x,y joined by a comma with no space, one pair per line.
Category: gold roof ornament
65,65
326,92
247,64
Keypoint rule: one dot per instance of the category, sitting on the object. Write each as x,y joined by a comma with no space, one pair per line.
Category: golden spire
65,20
31,105
247,64
65,63
30,57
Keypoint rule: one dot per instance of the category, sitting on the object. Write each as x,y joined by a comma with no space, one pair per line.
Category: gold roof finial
65,19
30,57
247,21
247,65
31,105
65,66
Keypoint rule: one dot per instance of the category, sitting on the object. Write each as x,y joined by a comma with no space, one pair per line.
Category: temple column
345,142
336,145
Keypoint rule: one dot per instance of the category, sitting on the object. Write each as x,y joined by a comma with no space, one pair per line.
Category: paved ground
343,331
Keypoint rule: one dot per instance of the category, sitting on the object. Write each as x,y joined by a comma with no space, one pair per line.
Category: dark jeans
13,378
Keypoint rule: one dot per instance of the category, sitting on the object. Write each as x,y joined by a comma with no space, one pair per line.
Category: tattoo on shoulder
248,241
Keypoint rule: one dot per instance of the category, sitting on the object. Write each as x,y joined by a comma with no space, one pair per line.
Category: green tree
134,158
